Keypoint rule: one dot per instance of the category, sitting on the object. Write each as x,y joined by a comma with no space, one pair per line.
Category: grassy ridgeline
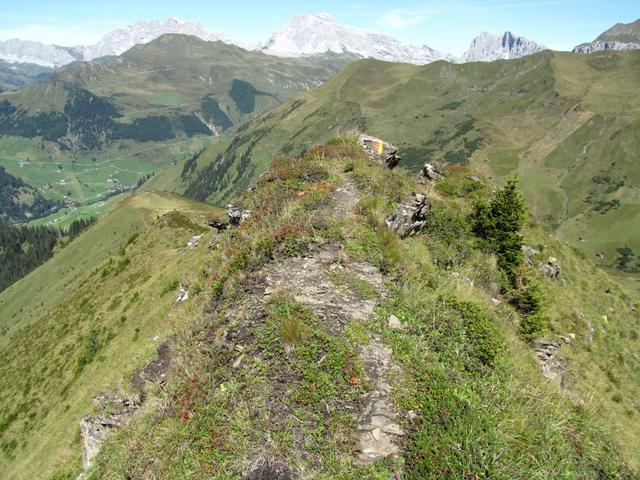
482,408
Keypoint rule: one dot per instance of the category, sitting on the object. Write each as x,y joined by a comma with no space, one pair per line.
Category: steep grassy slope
98,127
271,379
86,319
568,124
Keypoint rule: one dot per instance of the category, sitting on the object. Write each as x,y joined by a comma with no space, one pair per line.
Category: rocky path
345,198
378,429
309,281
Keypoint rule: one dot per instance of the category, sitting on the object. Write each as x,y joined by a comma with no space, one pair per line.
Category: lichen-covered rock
550,268
193,243
237,215
411,217
379,151
183,295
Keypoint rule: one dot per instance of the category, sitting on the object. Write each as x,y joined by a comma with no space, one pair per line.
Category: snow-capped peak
308,34
487,47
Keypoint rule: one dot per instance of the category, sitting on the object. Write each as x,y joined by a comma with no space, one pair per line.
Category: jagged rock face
622,36
487,47
379,151
410,218
113,410
317,34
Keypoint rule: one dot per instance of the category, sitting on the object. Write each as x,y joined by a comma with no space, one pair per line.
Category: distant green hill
568,124
95,128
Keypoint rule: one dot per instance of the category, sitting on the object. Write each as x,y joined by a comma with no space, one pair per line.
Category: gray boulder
411,217
430,172
550,268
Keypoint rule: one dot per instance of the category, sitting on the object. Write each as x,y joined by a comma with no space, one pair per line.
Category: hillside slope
329,347
87,318
567,124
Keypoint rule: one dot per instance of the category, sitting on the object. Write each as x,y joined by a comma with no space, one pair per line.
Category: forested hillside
22,248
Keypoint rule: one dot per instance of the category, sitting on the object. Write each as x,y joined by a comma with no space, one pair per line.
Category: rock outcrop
155,372
379,151
377,424
622,36
552,365
411,217
112,410
429,172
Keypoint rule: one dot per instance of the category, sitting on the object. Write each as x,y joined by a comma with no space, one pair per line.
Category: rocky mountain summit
622,36
487,47
317,34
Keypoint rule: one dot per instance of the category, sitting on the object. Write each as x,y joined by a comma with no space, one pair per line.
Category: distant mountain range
115,42
306,35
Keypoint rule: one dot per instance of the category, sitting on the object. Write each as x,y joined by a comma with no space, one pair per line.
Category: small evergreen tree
498,224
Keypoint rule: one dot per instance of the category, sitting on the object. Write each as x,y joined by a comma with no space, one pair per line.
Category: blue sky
444,25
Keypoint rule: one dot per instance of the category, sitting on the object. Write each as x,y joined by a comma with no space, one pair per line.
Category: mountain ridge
622,36
304,35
